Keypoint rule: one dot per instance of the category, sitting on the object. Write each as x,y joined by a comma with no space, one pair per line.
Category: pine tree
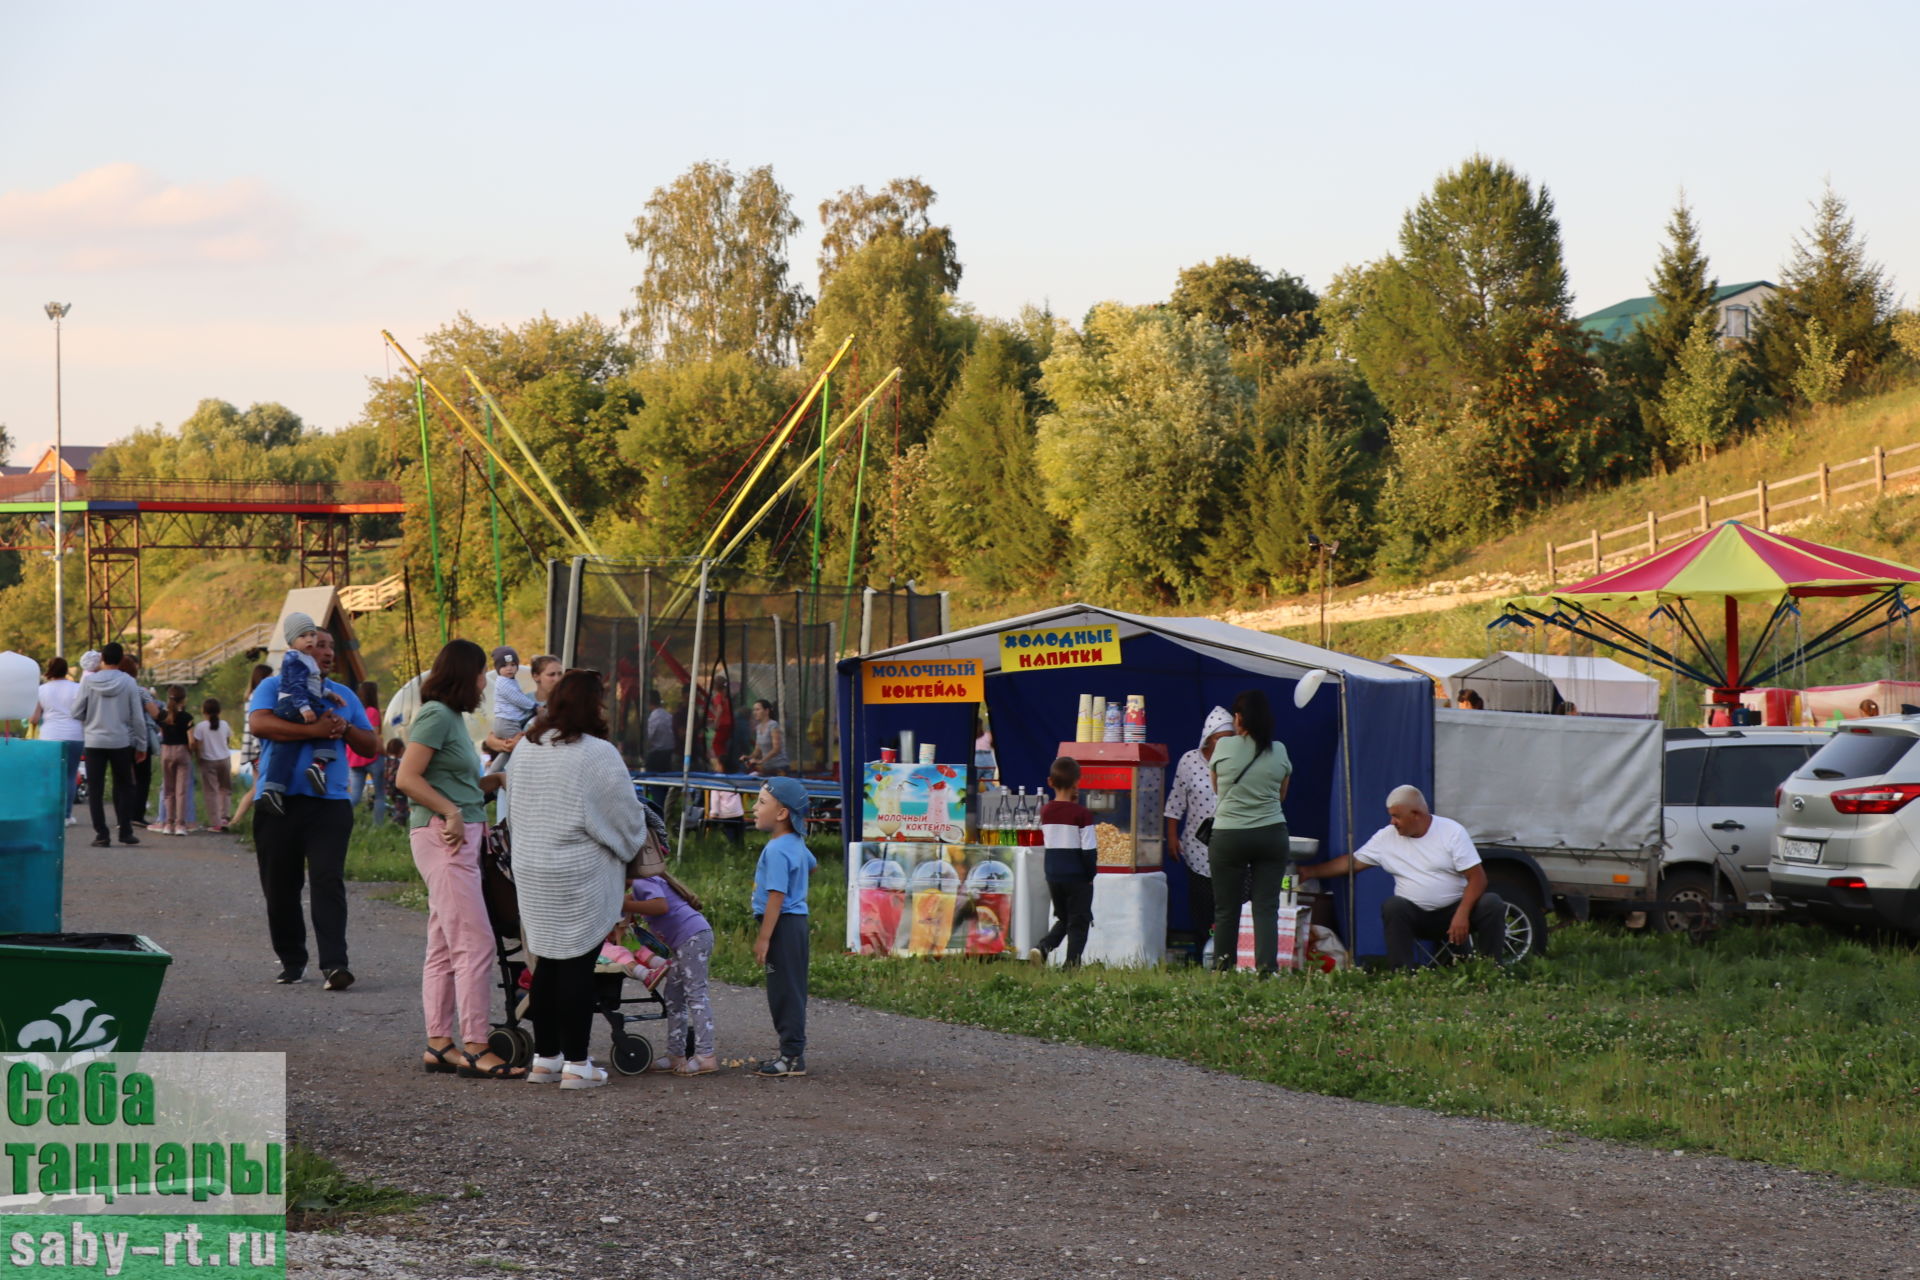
1830,279
1682,289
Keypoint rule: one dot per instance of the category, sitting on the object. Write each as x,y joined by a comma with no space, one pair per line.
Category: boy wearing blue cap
780,906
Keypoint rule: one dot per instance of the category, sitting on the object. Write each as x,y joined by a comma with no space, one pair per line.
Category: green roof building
1736,303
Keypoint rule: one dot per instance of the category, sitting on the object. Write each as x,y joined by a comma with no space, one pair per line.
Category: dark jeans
1072,917
120,760
1262,851
787,955
1405,922
659,762
142,787
72,756
562,1005
306,845
282,757
1199,909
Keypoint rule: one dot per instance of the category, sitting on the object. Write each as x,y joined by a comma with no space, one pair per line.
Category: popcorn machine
1124,784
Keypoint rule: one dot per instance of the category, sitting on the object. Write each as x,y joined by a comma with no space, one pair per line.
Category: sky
236,199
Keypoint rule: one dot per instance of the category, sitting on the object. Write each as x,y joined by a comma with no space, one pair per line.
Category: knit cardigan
576,823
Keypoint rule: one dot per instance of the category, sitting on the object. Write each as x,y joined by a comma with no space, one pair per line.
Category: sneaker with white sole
545,1070
583,1075
781,1067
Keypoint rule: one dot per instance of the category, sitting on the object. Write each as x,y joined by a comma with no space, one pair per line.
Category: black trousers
98,761
1072,917
788,952
1404,922
562,1005
305,846
1199,909
142,786
1233,853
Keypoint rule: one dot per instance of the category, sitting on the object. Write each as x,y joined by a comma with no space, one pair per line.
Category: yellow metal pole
500,415
477,434
801,471
767,456
681,597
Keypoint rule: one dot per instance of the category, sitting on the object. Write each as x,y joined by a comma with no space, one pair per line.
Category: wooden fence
373,596
1646,537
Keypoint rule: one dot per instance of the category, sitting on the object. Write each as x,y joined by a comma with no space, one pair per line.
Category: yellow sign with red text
1097,646
949,680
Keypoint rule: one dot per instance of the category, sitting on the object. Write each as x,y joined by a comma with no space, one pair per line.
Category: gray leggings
685,991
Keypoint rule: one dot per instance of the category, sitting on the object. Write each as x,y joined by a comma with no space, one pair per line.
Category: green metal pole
433,515
493,520
853,544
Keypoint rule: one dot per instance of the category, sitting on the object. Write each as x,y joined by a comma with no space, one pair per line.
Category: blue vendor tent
1368,730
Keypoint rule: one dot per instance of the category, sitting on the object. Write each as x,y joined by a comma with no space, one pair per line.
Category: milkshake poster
915,802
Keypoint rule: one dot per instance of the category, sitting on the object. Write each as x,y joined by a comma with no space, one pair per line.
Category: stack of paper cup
1083,726
927,752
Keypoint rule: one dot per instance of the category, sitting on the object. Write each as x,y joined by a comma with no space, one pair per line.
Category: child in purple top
673,916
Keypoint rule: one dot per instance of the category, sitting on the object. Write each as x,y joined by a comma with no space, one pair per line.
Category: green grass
319,1194
1794,1045
1790,1044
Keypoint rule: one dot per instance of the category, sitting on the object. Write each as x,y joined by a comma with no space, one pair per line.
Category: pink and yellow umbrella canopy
1736,562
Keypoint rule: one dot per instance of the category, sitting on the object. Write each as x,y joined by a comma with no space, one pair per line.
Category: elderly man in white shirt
1439,886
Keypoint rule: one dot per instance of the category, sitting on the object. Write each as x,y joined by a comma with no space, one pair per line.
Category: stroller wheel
632,1055
512,1045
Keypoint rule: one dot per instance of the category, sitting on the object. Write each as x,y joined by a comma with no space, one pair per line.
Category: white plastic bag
1325,951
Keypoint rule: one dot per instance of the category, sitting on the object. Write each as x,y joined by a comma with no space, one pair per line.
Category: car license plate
1800,850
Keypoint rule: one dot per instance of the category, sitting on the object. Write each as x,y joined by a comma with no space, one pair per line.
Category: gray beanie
297,625
503,655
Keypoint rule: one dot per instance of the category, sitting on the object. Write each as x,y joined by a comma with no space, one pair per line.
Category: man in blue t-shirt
780,881
308,841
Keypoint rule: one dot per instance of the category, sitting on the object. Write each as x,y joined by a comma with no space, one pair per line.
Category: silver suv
1844,845
1719,805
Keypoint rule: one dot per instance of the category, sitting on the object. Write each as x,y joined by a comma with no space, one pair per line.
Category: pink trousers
459,966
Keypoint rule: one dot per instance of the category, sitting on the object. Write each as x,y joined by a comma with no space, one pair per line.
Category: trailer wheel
1526,914
1694,887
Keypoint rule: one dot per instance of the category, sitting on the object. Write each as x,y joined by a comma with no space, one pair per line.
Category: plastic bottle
1115,729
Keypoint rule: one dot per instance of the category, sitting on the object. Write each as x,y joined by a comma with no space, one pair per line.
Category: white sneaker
545,1070
72,821
583,1075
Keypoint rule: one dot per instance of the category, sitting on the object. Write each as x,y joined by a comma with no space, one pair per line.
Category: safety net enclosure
644,627
1727,566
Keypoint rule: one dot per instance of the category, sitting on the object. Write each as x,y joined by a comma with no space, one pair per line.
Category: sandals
440,1066
545,1070
583,1075
704,1065
471,1069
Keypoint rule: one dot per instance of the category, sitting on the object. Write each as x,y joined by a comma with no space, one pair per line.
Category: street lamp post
56,312
1326,551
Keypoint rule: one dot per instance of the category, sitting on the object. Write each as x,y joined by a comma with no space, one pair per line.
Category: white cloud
122,216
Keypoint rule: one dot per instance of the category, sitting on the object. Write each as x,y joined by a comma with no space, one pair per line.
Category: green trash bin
68,993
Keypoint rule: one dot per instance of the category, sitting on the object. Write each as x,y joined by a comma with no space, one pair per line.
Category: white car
1719,806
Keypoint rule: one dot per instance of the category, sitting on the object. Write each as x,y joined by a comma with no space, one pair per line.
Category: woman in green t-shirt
440,774
1250,775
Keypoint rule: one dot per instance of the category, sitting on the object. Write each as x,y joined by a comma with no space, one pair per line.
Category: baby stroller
512,1041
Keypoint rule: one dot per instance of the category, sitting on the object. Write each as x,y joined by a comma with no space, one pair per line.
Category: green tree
1478,275
1905,330
1311,480
890,296
982,501
1148,418
716,274
697,427
1822,365
1436,496
1701,399
1683,291
1829,278
1268,318
900,211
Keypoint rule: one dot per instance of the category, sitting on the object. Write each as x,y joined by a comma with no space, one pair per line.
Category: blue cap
791,795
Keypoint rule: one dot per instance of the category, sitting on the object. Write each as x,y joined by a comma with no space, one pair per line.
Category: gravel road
918,1149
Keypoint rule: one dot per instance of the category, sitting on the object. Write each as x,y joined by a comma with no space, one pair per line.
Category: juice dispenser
1125,786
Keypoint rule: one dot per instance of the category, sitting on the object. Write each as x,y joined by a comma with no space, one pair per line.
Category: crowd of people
588,856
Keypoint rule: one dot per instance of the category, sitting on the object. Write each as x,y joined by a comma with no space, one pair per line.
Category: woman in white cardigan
576,826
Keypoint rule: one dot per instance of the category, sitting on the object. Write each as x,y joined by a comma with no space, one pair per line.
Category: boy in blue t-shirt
780,906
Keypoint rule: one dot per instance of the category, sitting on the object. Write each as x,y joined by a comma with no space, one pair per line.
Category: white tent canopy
1440,670
1538,682
1257,651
